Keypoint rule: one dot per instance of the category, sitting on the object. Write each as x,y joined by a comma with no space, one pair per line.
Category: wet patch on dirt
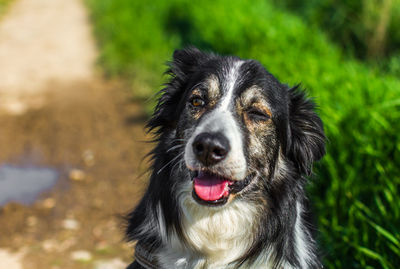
85,132
24,183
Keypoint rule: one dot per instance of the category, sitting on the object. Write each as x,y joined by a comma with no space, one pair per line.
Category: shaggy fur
271,136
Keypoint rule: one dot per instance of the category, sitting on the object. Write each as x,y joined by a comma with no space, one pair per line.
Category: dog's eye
258,115
197,102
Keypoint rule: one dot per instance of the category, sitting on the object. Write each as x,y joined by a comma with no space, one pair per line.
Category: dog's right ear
184,63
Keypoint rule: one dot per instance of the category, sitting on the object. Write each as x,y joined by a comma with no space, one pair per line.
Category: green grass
355,194
355,25
3,6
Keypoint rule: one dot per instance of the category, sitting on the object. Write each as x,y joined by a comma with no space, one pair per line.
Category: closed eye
258,115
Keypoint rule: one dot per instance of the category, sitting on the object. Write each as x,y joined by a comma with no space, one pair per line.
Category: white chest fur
214,236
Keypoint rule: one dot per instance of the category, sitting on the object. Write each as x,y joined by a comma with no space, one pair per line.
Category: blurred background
77,82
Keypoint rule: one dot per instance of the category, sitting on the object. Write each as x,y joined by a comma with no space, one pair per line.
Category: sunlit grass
356,188
3,5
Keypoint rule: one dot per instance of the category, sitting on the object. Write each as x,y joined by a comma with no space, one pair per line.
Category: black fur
298,134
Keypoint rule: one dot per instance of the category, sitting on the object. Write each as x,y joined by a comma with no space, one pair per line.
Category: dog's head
237,125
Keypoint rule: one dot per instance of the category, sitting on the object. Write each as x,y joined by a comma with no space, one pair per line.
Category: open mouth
214,190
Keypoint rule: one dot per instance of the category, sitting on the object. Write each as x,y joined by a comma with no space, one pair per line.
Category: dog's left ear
306,138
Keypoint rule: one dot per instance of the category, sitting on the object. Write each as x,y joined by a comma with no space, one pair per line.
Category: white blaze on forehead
229,84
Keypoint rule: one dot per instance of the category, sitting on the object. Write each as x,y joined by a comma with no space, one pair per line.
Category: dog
233,149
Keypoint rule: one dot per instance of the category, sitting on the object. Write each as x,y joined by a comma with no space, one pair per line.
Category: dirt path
55,112
10,260
86,126
42,41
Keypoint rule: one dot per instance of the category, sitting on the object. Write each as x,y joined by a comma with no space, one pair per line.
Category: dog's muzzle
211,186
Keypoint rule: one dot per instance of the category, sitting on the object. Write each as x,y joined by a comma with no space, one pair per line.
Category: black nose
210,148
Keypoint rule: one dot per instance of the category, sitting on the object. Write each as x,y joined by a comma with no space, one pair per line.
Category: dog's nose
210,148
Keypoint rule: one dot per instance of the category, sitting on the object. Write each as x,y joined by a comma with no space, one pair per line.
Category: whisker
177,163
177,140
176,157
174,147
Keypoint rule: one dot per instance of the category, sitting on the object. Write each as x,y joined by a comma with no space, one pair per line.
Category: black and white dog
227,187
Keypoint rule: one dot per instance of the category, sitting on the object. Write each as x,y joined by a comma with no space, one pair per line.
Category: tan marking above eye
196,92
254,103
263,108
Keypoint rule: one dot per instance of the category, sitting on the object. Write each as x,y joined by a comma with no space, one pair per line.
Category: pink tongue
210,188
